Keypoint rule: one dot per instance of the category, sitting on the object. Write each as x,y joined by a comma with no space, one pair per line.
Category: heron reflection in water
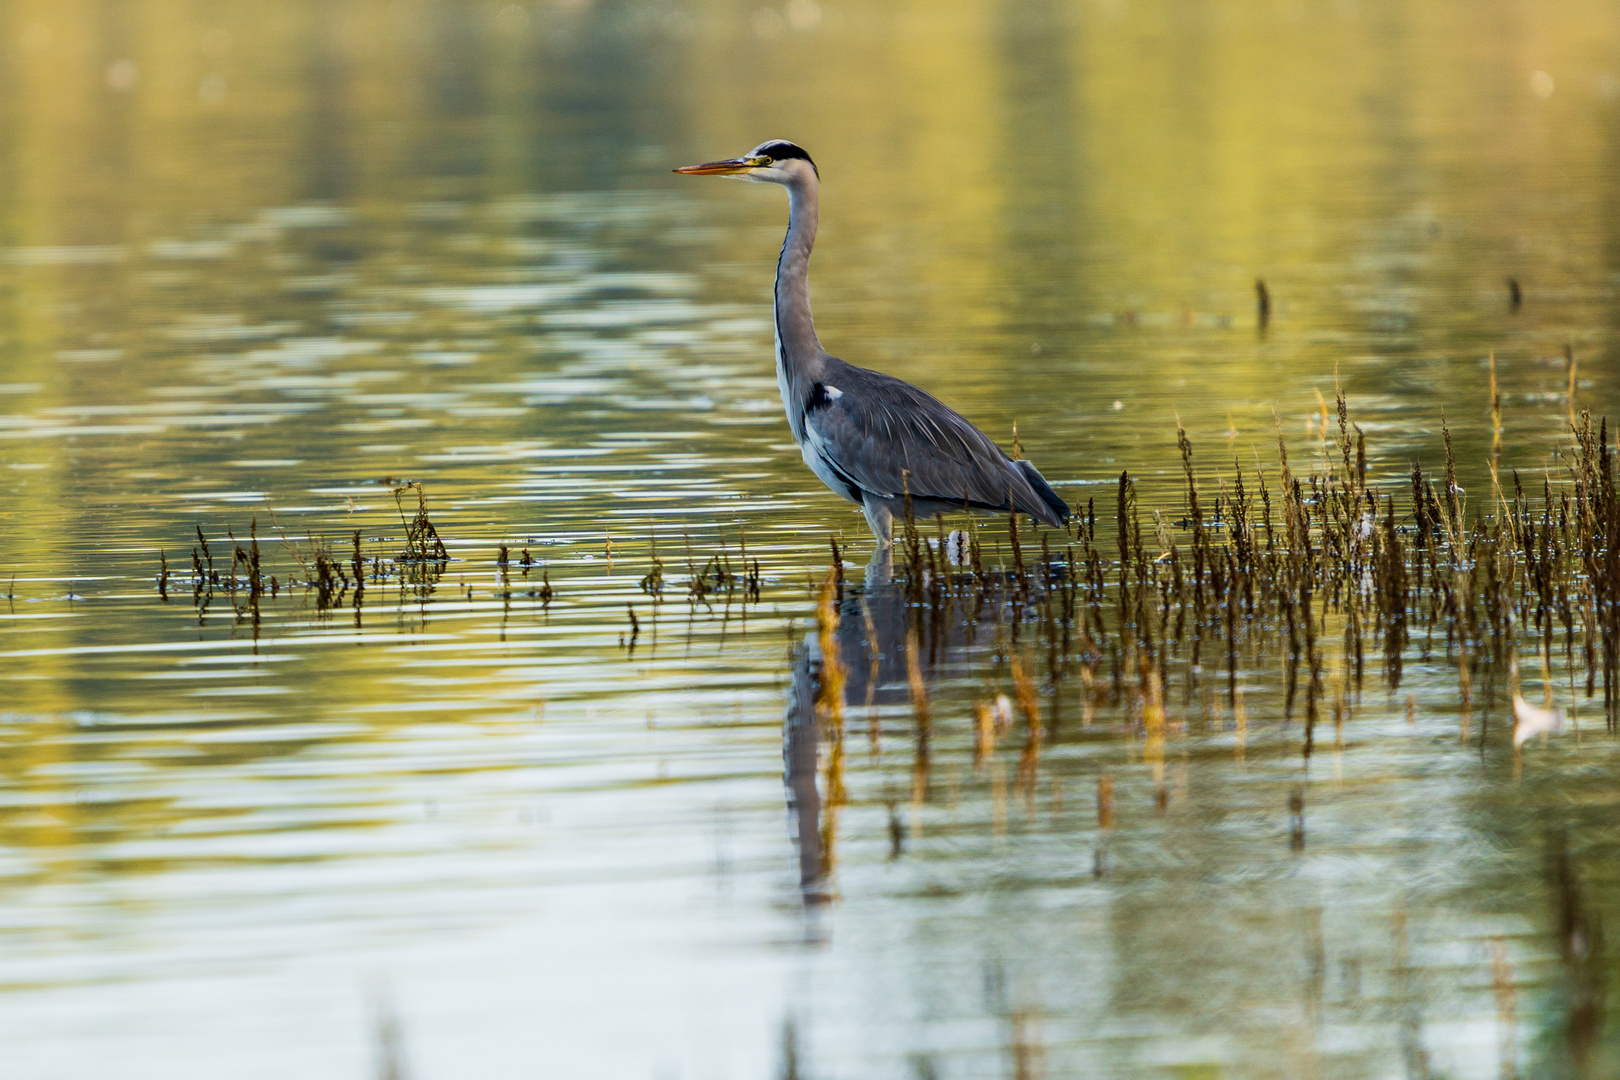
874,632
870,437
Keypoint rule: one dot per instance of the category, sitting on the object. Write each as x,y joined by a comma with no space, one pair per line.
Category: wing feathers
887,437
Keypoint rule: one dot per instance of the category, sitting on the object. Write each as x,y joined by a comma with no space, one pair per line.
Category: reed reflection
874,650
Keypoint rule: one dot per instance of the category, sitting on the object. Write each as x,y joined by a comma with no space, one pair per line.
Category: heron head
775,161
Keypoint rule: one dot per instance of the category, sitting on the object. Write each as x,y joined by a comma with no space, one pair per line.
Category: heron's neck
799,351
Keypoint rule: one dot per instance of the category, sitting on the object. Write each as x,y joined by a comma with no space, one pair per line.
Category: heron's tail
1054,511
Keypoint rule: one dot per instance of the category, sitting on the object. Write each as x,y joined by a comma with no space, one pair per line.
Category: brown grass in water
923,718
1389,571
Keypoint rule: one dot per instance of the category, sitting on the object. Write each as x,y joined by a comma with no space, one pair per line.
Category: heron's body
870,437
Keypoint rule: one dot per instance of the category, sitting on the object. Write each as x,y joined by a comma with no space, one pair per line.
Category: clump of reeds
722,578
1308,566
331,578
334,579
422,541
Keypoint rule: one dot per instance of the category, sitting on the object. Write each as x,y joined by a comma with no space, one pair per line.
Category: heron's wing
887,437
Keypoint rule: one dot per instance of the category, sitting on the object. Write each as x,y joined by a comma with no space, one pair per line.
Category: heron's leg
880,569
799,749
879,519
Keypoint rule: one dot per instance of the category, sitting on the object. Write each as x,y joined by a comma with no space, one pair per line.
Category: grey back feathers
890,440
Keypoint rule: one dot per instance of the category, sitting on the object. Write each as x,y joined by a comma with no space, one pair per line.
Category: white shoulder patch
833,393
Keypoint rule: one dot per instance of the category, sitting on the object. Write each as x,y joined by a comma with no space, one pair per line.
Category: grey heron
870,437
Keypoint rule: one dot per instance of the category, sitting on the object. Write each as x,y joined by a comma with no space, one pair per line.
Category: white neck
799,355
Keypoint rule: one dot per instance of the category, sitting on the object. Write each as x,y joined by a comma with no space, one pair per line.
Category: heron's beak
729,167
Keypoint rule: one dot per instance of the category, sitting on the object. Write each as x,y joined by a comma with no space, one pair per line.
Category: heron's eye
762,160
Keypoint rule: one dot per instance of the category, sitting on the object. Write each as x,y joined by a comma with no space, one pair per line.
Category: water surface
261,267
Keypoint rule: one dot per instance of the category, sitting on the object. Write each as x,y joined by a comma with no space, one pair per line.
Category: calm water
268,262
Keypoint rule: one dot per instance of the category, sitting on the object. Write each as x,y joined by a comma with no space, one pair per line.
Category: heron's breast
826,474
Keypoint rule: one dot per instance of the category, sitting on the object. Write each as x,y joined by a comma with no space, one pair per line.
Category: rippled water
260,268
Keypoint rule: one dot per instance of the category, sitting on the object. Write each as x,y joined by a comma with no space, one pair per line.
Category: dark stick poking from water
1580,944
1296,819
390,1045
1262,303
1515,294
1105,825
635,628
790,1067
1569,362
357,565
